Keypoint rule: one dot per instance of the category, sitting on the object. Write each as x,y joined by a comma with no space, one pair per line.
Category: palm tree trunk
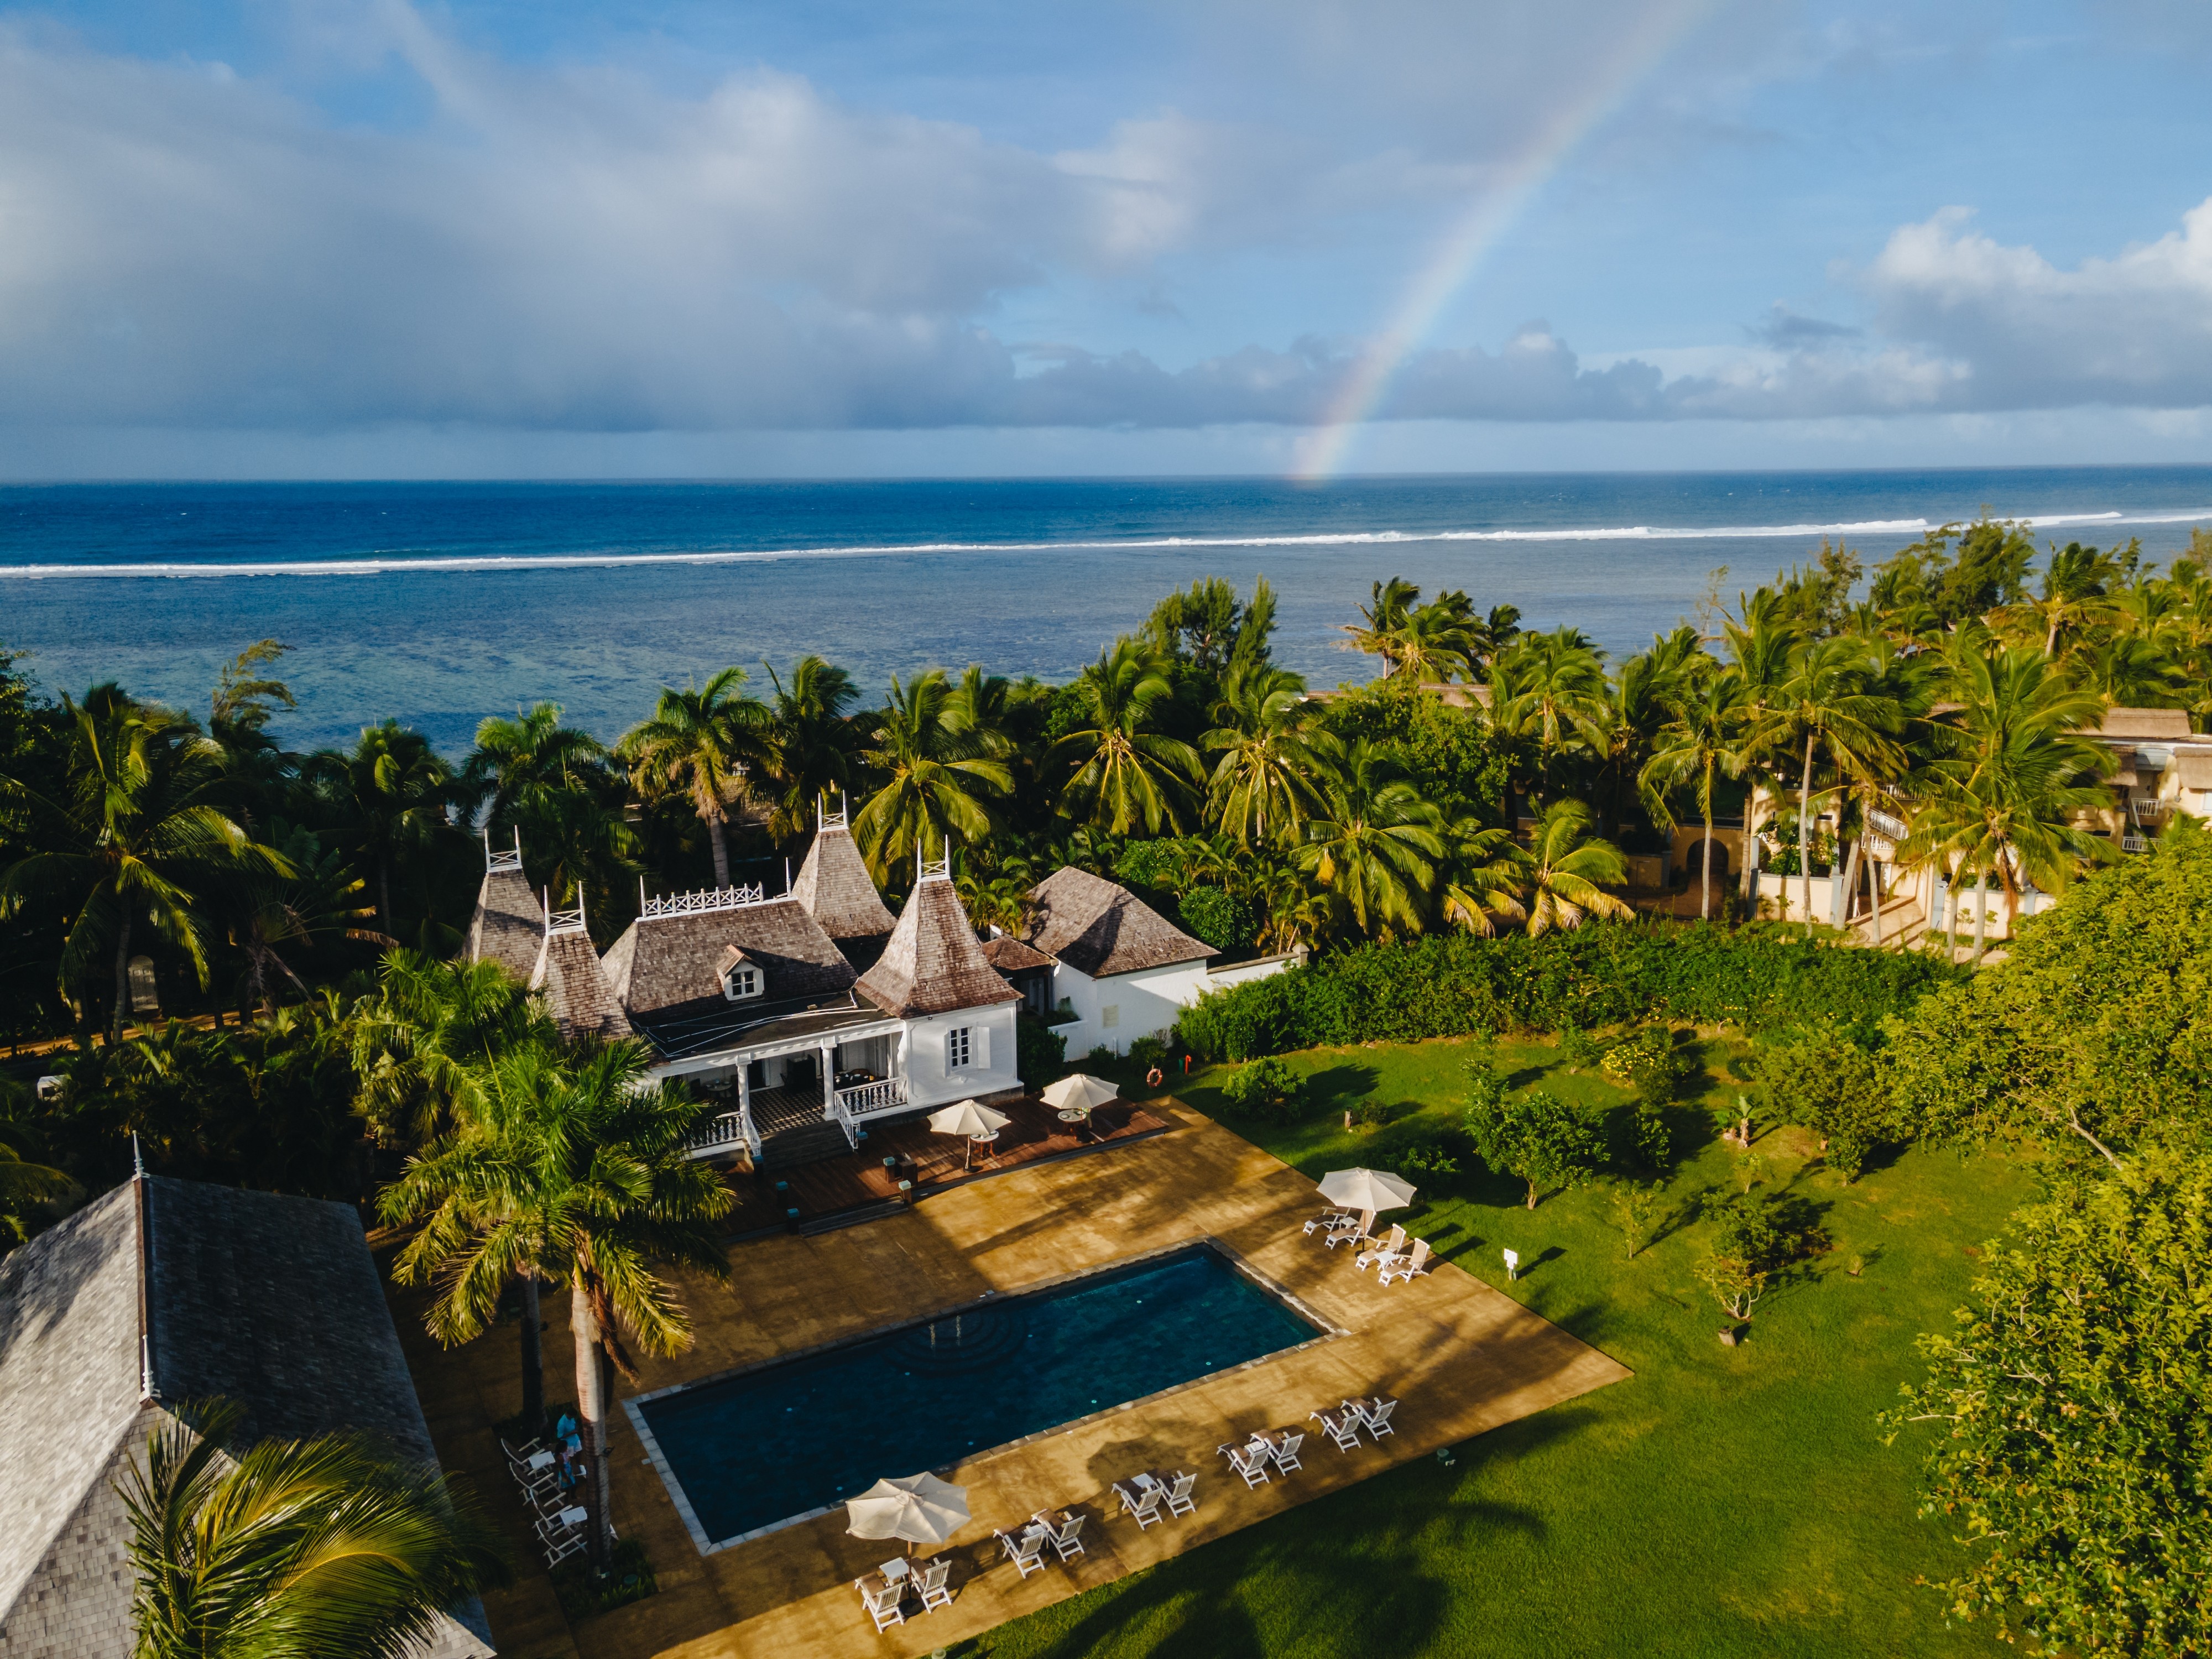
122,978
1981,917
1706,894
1805,833
533,1362
591,1414
1851,877
721,842
1874,896
1958,881
384,894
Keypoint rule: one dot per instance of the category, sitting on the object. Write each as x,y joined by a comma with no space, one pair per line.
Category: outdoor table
1078,1116
891,1569
543,1459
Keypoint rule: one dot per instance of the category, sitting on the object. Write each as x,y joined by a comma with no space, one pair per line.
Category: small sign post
1512,1265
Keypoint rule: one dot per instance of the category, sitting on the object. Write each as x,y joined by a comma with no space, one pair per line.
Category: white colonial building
809,1016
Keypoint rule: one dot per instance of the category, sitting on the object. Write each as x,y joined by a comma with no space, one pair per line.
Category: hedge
1760,977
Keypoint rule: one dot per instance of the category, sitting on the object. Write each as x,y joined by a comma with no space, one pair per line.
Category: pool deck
1460,1357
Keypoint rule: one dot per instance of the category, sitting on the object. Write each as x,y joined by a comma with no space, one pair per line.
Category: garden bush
1456,986
1039,1052
1648,1062
1431,1159
1148,1051
1267,1089
1222,920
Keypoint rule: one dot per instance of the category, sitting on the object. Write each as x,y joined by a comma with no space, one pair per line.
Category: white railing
711,898
1883,824
725,1131
885,1095
836,1111
565,921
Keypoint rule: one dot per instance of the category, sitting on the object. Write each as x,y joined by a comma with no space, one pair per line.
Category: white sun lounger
1250,1461
1180,1502
1329,1219
1342,1427
1386,1252
1375,1418
1026,1551
883,1605
1285,1450
1344,1232
1415,1261
1143,1502
1064,1539
929,1584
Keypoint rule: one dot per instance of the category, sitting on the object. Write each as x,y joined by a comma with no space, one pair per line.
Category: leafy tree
574,1172
703,741
1272,754
1637,1208
1538,1138
1565,866
1221,920
521,765
1550,689
1126,772
136,833
2070,1440
422,1048
1266,1088
328,1546
1956,574
392,794
1823,1079
815,741
935,768
1209,629
271,915
1464,766
1374,844
1745,1249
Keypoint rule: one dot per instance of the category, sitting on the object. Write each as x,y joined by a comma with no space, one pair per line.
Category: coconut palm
26,1185
422,1048
1126,773
1382,619
140,835
816,737
574,1172
934,772
1375,844
1569,869
1481,879
291,1547
519,764
1550,688
1828,698
702,741
1703,741
1272,751
393,793
270,915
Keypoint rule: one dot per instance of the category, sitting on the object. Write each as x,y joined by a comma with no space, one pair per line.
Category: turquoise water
443,602
781,1442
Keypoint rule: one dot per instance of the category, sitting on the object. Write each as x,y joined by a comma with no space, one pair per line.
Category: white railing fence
885,1095
711,898
724,1131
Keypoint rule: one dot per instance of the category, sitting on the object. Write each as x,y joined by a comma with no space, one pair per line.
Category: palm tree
519,764
1705,740
393,793
328,1546
1382,619
814,739
1127,774
1483,874
1827,698
271,913
1566,865
702,741
143,837
25,1184
423,1047
576,1173
1272,752
933,770
1550,686
1374,844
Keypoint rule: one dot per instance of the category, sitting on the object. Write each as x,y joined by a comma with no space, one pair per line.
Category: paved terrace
1461,1357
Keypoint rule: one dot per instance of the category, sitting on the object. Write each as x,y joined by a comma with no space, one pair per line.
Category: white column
829,1076
744,1086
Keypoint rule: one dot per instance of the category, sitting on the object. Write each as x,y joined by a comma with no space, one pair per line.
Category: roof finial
137,1158
787,872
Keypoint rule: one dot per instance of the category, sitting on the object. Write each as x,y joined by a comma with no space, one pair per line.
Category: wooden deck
931,1161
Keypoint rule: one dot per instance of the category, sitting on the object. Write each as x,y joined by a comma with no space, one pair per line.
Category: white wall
1140,1004
992,1069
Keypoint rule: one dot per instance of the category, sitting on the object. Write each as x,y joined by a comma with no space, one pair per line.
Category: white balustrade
711,898
885,1095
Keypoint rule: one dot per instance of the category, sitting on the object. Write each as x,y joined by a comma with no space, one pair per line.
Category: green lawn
1720,1502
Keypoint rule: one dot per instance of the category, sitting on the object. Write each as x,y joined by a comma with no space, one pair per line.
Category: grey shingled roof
575,988
1100,928
933,964
834,886
2152,723
1010,956
509,923
272,1302
665,966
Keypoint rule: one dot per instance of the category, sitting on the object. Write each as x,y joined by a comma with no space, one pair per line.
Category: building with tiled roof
509,923
160,1292
835,887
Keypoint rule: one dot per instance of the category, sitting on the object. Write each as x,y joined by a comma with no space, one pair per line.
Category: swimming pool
748,1452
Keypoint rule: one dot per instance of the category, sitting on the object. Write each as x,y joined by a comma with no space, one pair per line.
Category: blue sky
381,239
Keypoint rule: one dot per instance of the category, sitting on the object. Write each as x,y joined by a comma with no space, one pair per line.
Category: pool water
788,1439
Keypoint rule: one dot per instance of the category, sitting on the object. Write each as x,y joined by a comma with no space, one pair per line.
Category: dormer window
741,978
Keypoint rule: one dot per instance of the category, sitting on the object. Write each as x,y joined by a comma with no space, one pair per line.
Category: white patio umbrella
918,1508
977,1122
1366,1191
1078,1092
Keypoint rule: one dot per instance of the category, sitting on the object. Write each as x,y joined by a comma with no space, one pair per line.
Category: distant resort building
158,1293
814,1015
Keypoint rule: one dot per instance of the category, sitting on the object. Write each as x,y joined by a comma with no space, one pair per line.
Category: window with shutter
959,1047
982,1047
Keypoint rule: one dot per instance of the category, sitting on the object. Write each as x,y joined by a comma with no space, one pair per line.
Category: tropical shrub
1266,1089
1039,1052
1649,1063
1760,977
1428,1157
1538,1138
1824,1081
1580,1048
1222,920
1147,1051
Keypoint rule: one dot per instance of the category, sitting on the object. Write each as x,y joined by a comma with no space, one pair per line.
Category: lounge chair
1180,1502
1250,1461
883,1605
1327,1219
1415,1261
1065,1540
1375,1418
560,1547
1285,1451
929,1584
1026,1551
1346,1232
1342,1427
1386,1252
560,1520
1143,1502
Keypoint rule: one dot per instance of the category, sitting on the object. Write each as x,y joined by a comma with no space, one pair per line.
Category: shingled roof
575,987
669,966
933,964
1010,956
834,886
1100,928
509,924
271,1302
2146,723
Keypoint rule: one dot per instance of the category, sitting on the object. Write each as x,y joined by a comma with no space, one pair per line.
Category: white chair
517,1455
883,1605
1250,1461
1375,1416
1065,1540
1415,1261
1345,1232
1285,1451
1342,1427
1386,1252
1026,1551
929,1584
1144,1503
561,1546
1179,1500
1330,1218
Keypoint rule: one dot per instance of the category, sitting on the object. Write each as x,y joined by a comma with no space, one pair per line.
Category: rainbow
1634,59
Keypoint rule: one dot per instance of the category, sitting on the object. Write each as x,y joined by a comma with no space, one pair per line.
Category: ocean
443,602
